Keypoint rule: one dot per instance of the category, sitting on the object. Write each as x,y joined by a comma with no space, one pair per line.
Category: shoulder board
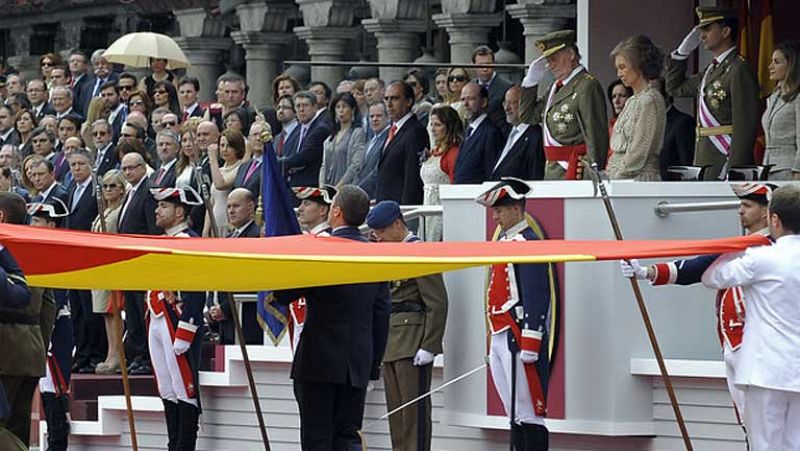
588,76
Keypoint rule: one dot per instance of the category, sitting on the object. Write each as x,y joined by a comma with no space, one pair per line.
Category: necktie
185,116
302,136
99,83
76,196
160,176
559,85
392,132
281,142
470,129
251,170
714,64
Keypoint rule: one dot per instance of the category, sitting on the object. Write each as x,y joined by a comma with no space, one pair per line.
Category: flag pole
637,292
204,193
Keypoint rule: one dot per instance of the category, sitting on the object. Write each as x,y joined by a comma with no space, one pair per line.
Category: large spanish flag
71,259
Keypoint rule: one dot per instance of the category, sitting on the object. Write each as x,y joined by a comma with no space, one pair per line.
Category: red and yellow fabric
82,260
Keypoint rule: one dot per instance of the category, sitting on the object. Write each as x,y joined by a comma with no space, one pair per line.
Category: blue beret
383,214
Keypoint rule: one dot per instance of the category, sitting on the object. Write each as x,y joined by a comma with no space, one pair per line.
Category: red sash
570,154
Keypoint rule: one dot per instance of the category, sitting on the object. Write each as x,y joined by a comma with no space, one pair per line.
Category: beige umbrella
136,49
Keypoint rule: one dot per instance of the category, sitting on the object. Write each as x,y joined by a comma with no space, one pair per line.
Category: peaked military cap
757,192
685,173
384,214
54,209
508,191
322,194
185,196
711,14
749,173
555,41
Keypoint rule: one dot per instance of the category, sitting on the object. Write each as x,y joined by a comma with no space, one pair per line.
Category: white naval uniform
769,358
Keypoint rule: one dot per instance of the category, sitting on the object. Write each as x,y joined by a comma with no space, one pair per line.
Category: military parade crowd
89,146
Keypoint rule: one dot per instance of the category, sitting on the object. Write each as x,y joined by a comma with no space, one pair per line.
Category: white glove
180,346
689,43
536,72
423,357
528,356
633,269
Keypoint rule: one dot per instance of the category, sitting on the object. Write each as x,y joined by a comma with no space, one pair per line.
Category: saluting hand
690,42
536,72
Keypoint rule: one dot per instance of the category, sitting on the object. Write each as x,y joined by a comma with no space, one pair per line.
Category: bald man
138,216
139,119
206,134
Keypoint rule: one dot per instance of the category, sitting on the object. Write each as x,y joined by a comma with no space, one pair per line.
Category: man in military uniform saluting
573,112
26,319
519,313
174,329
726,92
419,313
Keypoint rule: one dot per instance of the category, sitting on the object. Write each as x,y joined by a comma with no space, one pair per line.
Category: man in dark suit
523,154
44,182
679,134
494,84
367,175
109,91
167,148
407,141
8,135
188,87
342,344
483,141
64,102
302,166
137,217
37,94
241,217
82,81
106,157
103,73
88,327
249,174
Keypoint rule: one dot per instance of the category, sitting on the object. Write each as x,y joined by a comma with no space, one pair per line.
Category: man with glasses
167,147
37,94
286,141
127,84
169,121
302,167
137,217
82,80
188,88
106,157
109,91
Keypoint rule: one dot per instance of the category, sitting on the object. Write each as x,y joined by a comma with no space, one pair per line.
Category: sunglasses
160,92
169,124
110,185
125,88
47,64
456,78
99,133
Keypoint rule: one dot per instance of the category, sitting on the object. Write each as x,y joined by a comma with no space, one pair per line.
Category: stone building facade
254,38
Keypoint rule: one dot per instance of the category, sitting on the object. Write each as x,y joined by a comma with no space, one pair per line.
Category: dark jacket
398,167
110,161
679,140
346,329
253,183
167,180
140,215
497,93
367,175
84,212
525,160
82,94
302,167
478,153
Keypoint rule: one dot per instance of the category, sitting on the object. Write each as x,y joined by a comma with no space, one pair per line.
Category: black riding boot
171,414
536,437
55,413
517,437
188,416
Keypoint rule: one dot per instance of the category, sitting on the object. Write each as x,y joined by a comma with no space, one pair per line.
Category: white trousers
500,364
737,394
170,383
772,419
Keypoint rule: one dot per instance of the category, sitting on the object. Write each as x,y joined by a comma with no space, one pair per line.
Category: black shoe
86,369
78,364
141,370
133,364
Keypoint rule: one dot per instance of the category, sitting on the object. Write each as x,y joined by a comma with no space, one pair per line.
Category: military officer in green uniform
25,329
419,313
573,111
726,92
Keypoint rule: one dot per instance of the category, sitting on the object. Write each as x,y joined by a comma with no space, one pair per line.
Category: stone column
328,28
538,20
203,43
70,37
467,31
398,41
263,35
23,61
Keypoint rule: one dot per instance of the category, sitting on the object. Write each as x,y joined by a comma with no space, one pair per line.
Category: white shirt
60,115
128,198
476,123
320,229
289,128
190,109
46,192
513,136
117,111
770,277
399,124
7,134
237,232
